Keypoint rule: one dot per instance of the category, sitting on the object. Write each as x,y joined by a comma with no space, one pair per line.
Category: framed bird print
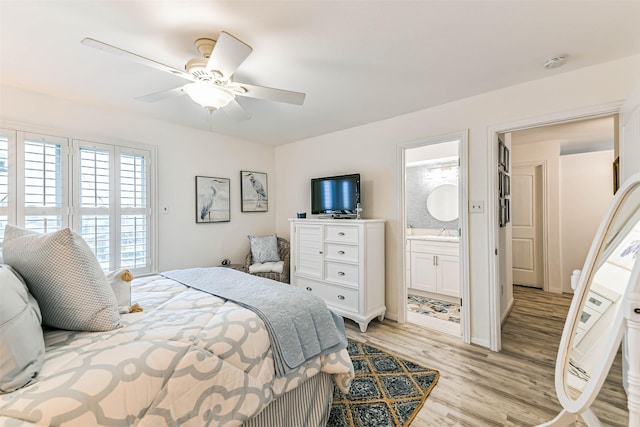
212,199
253,192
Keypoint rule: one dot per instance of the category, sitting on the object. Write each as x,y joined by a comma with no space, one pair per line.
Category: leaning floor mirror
604,312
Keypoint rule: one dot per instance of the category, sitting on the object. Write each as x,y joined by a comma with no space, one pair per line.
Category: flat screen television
335,195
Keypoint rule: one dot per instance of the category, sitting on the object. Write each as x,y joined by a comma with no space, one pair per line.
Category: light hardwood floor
478,387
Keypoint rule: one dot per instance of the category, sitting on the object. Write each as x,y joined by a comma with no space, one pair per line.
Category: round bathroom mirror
595,322
442,202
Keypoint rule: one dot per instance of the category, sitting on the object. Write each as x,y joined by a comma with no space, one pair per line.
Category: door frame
545,216
493,246
463,203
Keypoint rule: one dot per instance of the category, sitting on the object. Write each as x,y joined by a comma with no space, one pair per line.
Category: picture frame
504,214
212,199
501,154
505,157
507,210
254,196
506,185
501,184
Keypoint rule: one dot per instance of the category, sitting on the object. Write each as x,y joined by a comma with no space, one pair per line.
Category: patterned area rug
386,391
430,307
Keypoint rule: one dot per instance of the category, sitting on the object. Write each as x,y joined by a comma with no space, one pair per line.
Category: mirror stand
631,325
604,312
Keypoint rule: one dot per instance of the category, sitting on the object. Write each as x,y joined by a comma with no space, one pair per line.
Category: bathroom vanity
434,265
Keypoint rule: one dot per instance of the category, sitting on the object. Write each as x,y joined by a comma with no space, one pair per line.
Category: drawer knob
340,252
320,252
341,234
309,288
340,273
636,310
340,296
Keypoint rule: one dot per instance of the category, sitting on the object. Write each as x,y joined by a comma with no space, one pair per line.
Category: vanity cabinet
342,262
435,267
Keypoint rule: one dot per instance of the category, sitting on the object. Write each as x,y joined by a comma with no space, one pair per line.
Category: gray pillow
64,276
21,340
264,249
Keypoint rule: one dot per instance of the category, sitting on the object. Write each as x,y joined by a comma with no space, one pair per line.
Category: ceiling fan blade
263,92
227,55
235,111
135,57
159,96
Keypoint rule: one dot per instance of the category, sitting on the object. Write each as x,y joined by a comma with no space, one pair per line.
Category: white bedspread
190,359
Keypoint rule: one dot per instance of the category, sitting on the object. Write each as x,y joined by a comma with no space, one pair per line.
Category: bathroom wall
421,179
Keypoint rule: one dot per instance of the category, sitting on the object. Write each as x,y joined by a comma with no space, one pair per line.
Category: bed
188,359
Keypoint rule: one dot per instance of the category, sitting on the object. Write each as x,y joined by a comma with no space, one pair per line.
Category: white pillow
264,249
64,276
21,340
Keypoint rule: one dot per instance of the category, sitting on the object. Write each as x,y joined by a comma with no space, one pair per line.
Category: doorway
433,182
561,184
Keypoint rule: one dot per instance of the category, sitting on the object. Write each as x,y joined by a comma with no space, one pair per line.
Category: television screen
335,194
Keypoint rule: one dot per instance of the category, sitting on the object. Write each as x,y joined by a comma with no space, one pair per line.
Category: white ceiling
357,61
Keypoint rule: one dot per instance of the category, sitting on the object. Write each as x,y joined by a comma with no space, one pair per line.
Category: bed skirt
306,405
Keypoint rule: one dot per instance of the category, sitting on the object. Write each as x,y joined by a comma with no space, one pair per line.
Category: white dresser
342,262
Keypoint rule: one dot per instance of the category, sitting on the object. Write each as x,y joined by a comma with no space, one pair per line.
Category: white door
526,220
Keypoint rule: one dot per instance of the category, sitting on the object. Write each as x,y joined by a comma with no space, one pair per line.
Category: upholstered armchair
283,252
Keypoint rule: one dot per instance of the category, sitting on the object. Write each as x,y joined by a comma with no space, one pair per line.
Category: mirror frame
583,402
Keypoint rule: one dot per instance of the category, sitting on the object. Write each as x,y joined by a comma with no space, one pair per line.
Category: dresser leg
381,317
363,326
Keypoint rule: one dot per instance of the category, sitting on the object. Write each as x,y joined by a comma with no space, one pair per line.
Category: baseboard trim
507,312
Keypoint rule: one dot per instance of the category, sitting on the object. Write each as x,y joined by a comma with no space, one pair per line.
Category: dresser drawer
333,295
341,252
346,274
341,233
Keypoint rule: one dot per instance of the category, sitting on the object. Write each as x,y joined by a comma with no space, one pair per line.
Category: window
102,191
4,181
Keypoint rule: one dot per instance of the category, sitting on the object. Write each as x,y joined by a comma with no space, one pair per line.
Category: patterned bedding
189,359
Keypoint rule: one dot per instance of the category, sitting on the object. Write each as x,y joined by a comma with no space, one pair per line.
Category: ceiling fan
210,76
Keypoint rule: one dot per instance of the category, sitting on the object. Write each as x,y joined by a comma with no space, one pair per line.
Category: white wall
586,189
183,153
371,151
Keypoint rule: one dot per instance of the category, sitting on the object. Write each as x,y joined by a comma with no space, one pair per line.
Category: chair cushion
267,267
21,340
64,276
264,249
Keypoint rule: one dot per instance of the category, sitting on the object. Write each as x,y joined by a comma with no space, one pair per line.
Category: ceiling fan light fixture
209,96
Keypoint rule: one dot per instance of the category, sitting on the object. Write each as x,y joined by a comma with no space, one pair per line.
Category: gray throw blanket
300,325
